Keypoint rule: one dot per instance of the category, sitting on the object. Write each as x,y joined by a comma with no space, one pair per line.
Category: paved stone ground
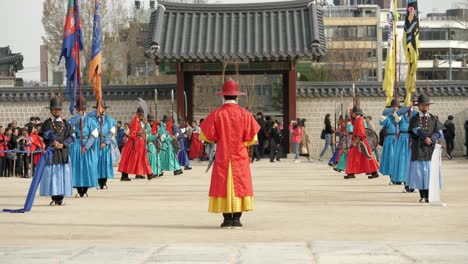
305,213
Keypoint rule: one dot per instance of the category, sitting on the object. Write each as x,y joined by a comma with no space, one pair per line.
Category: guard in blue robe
83,152
388,151
402,149
181,136
425,130
58,134
106,130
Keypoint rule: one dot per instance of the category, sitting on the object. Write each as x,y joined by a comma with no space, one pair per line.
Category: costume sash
37,177
434,176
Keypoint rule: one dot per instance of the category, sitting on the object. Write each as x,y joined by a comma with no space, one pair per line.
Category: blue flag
71,46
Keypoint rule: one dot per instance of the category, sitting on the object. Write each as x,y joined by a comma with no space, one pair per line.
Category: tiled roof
6,57
257,31
114,92
374,89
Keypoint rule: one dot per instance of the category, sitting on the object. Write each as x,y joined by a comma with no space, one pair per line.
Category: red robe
134,159
230,126
196,147
358,162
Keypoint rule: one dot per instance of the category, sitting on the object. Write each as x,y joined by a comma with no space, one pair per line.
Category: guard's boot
236,223
227,223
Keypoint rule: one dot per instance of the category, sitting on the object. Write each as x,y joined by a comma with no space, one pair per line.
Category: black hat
103,104
55,103
150,117
140,111
82,101
395,103
357,110
423,99
165,118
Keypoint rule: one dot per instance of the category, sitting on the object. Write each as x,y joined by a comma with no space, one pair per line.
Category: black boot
85,191
426,196
104,183
101,186
227,223
125,177
57,200
421,196
236,223
80,191
178,172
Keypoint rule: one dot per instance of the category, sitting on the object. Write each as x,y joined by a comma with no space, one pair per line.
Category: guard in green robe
151,146
167,156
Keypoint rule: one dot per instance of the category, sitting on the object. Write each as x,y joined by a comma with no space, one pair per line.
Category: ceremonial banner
95,68
389,78
71,46
411,46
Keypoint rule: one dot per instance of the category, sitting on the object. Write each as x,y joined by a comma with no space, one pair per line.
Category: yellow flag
389,77
411,46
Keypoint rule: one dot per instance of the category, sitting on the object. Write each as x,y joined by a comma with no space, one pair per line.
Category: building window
371,31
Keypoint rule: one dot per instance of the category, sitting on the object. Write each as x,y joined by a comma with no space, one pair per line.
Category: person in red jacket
134,158
232,128
37,145
360,158
3,148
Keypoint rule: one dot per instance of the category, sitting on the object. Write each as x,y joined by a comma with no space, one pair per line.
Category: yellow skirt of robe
230,203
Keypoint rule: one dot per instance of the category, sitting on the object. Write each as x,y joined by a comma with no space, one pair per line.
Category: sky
21,27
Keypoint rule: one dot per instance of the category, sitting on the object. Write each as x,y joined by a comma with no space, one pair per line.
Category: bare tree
114,16
347,62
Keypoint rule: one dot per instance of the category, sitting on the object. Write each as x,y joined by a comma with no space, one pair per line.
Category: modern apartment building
354,39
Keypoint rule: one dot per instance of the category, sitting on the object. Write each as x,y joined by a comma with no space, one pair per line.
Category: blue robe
105,167
388,151
57,177
182,156
84,166
402,150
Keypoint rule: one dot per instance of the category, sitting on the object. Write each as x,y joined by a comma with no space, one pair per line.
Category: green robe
153,155
169,161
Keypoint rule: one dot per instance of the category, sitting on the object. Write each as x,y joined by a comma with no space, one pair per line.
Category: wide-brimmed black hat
395,103
140,111
357,110
103,105
423,99
81,101
55,103
165,118
150,117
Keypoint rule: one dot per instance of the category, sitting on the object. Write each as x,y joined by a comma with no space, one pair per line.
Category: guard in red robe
232,128
134,159
358,161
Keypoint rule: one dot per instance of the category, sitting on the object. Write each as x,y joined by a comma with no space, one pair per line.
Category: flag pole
78,75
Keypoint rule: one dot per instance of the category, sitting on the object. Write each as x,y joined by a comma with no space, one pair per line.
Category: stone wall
314,109
313,102
123,110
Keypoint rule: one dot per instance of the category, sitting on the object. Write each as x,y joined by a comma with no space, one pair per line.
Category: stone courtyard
304,213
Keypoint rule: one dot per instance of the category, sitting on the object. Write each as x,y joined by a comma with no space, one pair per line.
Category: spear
185,101
156,102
